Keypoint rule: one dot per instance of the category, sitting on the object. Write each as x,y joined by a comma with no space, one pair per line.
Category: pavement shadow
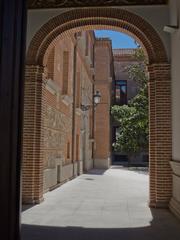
159,229
26,207
96,172
140,170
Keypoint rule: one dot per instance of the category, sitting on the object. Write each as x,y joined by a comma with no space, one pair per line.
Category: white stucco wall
175,46
175,60
37,18
157,16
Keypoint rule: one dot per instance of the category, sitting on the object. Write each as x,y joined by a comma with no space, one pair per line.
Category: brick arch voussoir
84,18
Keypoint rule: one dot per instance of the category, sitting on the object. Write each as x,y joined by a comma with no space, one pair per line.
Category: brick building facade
104,75
67,82
61,141
122,59
124,89
72,141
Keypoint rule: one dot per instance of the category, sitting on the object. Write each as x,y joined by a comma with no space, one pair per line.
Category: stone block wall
58,113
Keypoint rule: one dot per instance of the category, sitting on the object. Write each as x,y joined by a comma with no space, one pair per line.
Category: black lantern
96,101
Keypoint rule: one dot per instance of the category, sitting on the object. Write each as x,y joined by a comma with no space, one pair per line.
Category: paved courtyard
109,205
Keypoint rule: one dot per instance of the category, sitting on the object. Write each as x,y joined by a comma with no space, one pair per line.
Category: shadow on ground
27,206
96,172
157,230
140,170
113,207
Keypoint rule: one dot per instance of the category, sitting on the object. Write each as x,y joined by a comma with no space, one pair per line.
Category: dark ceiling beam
36,4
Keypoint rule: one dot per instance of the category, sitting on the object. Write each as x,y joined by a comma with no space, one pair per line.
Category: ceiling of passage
90,3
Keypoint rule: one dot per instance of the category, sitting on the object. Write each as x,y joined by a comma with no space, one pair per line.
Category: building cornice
124,54
103,42
38,4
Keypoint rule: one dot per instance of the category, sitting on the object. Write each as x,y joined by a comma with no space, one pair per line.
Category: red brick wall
48,117
160,141
122,59
103,57
32,172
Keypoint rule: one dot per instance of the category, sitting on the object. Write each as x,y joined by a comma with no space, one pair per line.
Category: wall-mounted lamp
96,101
170,28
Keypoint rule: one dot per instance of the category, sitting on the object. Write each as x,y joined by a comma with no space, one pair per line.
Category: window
77,147
121,92
50,64
87,44
65,72
68,150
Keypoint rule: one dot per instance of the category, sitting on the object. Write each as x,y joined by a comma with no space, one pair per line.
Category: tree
133,134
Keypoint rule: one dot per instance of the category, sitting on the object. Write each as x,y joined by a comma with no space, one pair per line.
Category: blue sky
119,40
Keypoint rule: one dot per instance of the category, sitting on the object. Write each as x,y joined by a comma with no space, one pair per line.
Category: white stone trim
110,79
52,87
92,70
92,140
66,99
88,60
79,111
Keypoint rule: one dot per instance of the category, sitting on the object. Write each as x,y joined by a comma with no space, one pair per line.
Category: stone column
160,135
33,141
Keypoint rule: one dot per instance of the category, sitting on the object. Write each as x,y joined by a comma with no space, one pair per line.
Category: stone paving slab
100,205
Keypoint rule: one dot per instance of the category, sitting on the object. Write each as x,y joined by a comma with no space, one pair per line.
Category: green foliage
137,71
132,136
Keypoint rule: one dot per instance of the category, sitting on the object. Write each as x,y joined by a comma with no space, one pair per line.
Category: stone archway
159,95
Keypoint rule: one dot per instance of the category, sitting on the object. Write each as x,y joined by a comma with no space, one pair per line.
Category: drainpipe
93,122
93,110
74,105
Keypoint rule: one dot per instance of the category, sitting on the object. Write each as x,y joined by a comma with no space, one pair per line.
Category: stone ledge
50,178
91,140
100,163
52,87
79,111
66,172
32,201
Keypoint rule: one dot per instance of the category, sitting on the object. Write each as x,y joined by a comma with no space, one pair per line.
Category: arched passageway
159,95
